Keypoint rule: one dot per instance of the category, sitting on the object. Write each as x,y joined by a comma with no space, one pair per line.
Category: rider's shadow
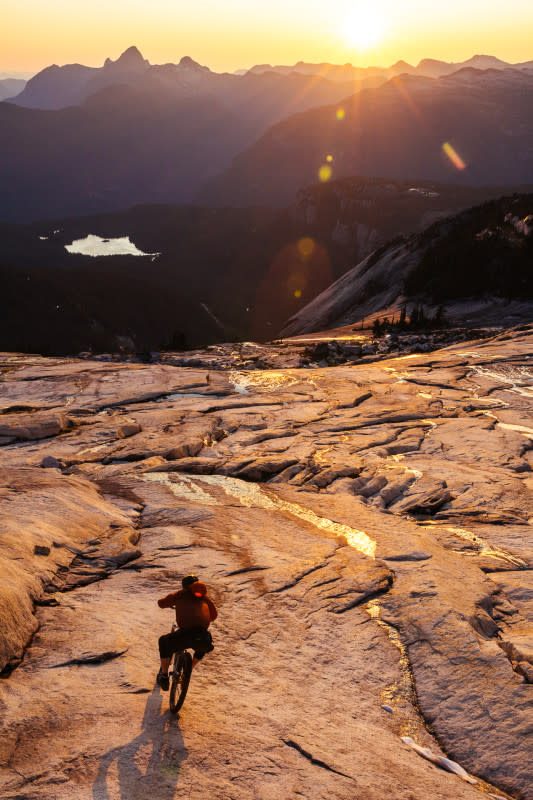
149,765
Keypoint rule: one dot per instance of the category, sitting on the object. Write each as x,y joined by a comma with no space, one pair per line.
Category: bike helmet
188,580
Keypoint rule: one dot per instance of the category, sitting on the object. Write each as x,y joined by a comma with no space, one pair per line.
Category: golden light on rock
253,496
324,173
299,524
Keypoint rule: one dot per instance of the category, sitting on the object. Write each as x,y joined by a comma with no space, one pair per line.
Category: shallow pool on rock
96,246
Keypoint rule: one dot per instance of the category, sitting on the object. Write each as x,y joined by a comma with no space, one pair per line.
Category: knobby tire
181,666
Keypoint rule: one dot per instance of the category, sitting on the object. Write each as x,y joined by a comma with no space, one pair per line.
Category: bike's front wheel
180,671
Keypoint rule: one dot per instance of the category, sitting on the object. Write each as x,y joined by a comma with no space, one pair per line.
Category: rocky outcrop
52,528
444,266
364,530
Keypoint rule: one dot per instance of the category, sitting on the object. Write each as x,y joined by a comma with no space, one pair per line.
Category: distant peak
483,59
131,54
188,63
130,58
427,61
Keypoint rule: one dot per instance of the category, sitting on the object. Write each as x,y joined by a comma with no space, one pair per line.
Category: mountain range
83,159
402,130
58,87
428,67
66,143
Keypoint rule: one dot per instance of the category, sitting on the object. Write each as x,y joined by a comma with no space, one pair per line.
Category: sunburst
363,28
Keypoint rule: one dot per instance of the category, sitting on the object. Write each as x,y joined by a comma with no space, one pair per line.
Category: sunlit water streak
320,456
185,487
313,339
397,374
265,379
482,547
253,496
404,689
518,428
397,460
518,379
507,426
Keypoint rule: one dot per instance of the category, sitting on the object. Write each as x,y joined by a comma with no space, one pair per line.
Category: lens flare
297,281
306,247
329,159
324,173
300,270
340,114
454,156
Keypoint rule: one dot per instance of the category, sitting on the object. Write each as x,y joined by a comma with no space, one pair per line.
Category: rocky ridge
471,127
57,87
364,528
428,67
475,264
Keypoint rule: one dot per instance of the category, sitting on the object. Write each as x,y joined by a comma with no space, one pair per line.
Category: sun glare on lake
363,28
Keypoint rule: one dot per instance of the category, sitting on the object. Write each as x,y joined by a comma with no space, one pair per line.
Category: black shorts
198,639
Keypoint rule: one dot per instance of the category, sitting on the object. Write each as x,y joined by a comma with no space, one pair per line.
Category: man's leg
201,649
168,643
197,657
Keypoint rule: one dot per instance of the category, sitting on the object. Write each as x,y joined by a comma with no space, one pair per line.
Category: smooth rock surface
364,529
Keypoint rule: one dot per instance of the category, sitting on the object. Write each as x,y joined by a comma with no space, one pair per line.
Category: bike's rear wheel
180,671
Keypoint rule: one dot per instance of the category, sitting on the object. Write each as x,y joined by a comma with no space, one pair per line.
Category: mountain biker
194,613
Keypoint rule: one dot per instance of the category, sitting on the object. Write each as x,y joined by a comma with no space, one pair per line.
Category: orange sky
237,33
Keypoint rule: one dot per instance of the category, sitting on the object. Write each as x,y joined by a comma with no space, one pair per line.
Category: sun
363,28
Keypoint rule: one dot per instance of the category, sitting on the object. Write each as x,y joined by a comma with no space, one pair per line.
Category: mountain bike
180,667
180,675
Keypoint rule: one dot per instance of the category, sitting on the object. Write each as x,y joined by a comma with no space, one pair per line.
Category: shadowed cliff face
363,529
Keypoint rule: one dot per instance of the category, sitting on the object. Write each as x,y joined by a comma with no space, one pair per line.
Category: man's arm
212,609
169,601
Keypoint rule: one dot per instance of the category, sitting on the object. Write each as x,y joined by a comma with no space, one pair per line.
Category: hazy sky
229,34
